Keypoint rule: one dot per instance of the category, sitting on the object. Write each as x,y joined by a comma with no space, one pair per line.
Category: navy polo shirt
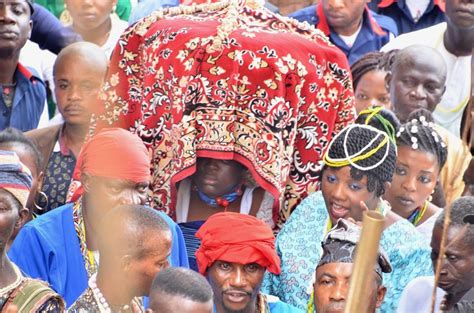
28,102
399,12
374,34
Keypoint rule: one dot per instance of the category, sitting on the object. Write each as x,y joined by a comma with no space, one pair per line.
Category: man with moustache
334,270
456,277
235,251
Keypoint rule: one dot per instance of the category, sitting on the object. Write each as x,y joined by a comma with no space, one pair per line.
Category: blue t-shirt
48,248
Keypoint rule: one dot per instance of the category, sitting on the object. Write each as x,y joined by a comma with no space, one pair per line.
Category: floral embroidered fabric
229,80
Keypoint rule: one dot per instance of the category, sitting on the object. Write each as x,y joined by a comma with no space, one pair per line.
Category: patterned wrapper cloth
229,80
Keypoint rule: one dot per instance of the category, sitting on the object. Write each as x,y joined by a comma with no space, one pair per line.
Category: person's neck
112,288
75,135
7,272
98,35
348,30
7,70
452,299
457,42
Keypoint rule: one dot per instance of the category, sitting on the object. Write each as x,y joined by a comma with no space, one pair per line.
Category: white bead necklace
102,302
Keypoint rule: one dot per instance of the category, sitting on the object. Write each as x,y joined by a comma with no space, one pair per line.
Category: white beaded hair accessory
414,130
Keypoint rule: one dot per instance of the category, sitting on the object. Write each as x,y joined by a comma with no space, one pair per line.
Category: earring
114,12
430,198
65,17
40,209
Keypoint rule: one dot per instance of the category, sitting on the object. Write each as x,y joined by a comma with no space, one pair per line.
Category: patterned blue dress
299,246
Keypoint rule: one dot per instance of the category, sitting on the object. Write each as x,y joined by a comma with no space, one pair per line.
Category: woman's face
217,177
9,216
371,91
414,179
89,14
343,194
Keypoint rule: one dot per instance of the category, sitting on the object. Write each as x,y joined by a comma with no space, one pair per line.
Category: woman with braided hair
358,168
421,156
368,80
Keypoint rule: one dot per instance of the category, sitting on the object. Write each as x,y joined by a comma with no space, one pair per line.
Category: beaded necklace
222,201
417,215
90,262
102,304
262,305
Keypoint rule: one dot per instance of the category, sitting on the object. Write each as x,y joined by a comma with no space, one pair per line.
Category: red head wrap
114,153
236,238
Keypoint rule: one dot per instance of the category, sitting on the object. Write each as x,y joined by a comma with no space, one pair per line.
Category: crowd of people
215,156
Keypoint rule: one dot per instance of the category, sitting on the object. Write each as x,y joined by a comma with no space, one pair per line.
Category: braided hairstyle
419,134
372,61
380,118
368,151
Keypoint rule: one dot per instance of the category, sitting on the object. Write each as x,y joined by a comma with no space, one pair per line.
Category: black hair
420,128
130,224
182,282
375,121
358,138
12,136
462,214
371,61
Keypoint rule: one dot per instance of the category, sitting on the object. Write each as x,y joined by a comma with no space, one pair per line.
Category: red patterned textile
229,80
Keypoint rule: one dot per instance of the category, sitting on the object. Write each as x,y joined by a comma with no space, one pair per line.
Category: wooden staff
364,264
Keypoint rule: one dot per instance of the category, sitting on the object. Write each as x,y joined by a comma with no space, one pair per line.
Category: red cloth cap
236,238
114,153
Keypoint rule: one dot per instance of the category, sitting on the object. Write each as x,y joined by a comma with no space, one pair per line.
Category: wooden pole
364,264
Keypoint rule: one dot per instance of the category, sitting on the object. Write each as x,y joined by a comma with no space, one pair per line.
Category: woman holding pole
358,168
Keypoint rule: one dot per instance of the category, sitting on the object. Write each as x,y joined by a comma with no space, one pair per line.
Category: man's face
153,257
15,26
216,177
457,270
415,84
104,194
341,13
78,81
90,14
9,215
236,286
460,13
165,303
332,285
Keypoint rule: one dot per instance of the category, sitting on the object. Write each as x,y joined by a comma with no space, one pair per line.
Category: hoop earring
46,200
65,17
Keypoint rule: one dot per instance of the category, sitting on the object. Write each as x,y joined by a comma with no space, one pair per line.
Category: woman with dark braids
358,167
421,156
368,80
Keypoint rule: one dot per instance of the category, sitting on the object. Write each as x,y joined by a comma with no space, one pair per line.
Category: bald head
79,73
422,57
132,226
417,80
85,51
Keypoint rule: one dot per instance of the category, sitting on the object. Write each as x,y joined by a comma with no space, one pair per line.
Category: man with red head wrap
235,251
60,247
